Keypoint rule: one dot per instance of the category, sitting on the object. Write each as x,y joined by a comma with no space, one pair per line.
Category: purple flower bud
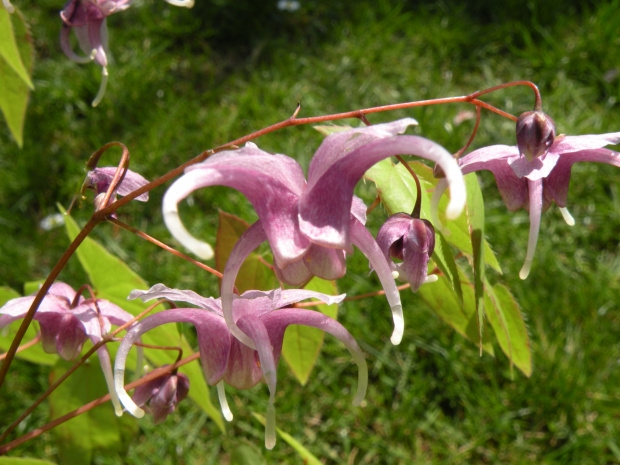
535,134
411,240
162,395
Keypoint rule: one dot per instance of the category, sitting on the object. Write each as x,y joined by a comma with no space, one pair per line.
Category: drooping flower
100,179
534,184
88,19
412,241
310,226
160,396
66,320
263,316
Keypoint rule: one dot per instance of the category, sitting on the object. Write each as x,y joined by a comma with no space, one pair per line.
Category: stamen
567,216
431,278
395,274
102,87
221,395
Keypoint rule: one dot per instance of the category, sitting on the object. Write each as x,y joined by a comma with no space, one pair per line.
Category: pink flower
67,320
310,225
262,316
162,395
88,19
534,184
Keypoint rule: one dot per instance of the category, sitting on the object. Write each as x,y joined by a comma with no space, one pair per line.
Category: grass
184,81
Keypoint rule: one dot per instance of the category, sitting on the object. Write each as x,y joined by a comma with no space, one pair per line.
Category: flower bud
162,395
535,134
411,240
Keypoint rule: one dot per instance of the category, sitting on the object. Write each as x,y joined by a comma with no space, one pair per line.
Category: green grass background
182,81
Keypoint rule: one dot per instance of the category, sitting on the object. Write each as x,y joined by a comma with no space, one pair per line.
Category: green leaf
9,50
397,190
328,129
442,256
24,461
475,217
97,431
16,54
305,454
255,273
442,299
114,280
243,453
507,322
302,344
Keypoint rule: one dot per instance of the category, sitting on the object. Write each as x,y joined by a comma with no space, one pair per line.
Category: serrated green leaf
302,344
97,431
114,280
475,218
254,273
16,59
509,327
442,256
305,454
24,461
397,190
442,299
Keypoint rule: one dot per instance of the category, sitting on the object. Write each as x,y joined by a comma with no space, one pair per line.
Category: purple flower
88,19
309,225
412,241
99,180
67,320
534,184
162,395
263,316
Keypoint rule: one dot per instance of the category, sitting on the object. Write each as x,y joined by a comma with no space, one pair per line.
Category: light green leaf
507,322
302,344
254,273
24,461
97,431
16,54
328,129
475,217
114,280
442,256
9,50
307,456
442,299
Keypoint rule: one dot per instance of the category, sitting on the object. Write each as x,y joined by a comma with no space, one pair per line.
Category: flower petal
324,208
536,198
568,144
559,179
364,241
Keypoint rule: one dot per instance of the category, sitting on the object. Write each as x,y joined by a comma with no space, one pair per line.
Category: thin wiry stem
85,408
107,338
